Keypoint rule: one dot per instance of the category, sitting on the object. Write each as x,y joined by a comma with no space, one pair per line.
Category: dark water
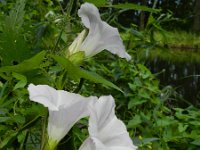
183,76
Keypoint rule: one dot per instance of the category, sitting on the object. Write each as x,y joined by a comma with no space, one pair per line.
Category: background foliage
32,44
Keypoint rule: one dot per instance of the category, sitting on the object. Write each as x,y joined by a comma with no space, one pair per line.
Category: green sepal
77,58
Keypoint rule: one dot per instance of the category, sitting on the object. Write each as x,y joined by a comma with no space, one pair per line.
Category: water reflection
183,75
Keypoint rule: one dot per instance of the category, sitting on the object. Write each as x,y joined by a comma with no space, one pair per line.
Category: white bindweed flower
65,109
106,132
101,35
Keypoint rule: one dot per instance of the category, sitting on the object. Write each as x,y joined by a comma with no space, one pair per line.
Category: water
183,75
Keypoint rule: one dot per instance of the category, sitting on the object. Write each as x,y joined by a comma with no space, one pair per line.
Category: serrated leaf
15,18
26,65
13,48
77,73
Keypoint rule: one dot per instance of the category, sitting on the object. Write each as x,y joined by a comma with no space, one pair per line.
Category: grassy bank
178,39
177,46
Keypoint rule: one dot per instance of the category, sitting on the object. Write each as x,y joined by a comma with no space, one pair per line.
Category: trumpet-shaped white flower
106,131
101,35
65,109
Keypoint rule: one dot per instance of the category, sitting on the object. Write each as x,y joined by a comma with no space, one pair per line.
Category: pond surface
182,75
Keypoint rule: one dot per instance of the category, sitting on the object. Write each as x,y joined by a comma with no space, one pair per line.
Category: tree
196,22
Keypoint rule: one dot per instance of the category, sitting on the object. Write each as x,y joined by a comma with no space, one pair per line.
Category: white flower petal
60,122
101,35
98,145
106,128
65,108
44,94
102,112
88,144
115,134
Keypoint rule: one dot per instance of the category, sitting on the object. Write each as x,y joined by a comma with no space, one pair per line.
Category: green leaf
134,122
77,73
144,72
20,84
8,139
196,142
18,76
136,101
195,122
182,127
144,141
148,140
132,86
30,123
5,119
143,94
98,3
73,70
33,111
165,121
135,7
19,119
137,82
26,65
22,138
13,48
97,79
22,80
15,18
3,111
